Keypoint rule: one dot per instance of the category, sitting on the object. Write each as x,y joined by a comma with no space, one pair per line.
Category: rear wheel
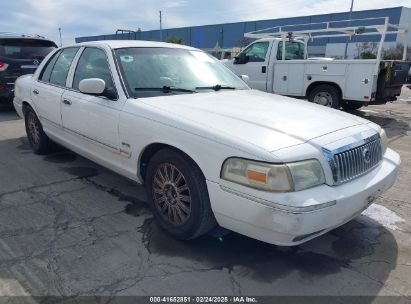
178,195
39,141
326,95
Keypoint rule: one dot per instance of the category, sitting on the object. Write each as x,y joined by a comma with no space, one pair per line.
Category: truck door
255,64
289,73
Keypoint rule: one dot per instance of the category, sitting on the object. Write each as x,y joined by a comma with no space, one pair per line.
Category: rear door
289,73
47,92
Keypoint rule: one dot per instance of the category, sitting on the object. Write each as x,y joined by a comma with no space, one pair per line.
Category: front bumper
329,206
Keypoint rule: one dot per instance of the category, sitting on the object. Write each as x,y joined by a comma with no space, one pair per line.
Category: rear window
25,48
293,50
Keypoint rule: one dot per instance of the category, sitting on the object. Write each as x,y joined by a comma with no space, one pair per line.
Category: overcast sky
86,18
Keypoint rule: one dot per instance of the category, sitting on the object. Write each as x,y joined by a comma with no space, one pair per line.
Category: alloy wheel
171,195
33,128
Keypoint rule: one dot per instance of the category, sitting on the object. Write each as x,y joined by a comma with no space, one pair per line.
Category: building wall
230,34
405,19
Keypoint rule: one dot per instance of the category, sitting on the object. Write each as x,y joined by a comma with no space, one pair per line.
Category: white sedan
209,150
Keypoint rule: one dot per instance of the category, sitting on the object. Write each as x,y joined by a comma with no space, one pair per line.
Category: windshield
149,72
25,48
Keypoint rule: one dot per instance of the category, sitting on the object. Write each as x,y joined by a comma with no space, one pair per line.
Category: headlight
273,177
384,141
306,174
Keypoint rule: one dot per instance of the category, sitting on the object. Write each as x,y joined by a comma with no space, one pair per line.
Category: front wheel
326,95
178,195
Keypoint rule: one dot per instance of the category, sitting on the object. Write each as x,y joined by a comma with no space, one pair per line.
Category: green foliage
368,55
366,50
395,53
176,40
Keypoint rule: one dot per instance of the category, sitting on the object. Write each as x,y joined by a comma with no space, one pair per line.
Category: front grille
354,162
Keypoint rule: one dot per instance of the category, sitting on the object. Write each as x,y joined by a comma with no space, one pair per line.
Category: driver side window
93,64
257,51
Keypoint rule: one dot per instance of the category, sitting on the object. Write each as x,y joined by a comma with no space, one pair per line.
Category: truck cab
255,60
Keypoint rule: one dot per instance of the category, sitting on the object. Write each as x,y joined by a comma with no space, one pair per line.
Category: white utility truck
278,63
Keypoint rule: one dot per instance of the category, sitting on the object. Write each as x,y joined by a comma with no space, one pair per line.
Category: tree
368,55
395,53
176,40
366,50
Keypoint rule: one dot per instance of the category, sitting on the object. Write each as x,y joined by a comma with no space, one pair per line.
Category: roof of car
22,36
117,44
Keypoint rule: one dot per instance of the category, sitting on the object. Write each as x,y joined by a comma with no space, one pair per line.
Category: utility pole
349,23
161,28
61,43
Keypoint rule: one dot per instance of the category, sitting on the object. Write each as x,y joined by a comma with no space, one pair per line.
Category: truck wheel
178,195
39,141
351,106
326,95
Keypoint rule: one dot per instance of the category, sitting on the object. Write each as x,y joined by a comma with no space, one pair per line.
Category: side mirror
110,93
97,86
241,59
93,86
245,78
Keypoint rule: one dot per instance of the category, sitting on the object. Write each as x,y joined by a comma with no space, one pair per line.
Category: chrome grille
357,161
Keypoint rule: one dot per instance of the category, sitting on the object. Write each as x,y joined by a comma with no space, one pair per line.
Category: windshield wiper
166,89
217,87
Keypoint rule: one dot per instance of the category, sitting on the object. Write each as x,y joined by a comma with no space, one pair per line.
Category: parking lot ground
70,227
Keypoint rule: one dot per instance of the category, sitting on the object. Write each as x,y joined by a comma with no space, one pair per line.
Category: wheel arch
315,84
26,104
151,149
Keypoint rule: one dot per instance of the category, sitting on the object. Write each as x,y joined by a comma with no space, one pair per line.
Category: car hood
266,120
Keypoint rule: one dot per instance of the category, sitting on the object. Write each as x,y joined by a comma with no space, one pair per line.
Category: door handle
263,69
67,102
36,92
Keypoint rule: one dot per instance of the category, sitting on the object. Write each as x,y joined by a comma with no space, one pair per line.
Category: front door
256,65
93,118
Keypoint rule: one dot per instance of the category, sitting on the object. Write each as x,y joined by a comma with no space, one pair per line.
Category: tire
178,195
39,141
351,106
326,95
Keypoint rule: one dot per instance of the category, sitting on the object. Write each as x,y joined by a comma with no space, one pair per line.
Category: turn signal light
257,176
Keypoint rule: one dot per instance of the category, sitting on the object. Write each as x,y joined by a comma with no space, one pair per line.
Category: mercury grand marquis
210,151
